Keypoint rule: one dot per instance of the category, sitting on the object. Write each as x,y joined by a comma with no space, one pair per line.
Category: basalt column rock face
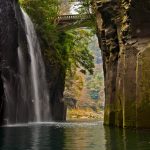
109,44
56,83
141,25
124,27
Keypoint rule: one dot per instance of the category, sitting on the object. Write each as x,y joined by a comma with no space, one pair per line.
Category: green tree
71,46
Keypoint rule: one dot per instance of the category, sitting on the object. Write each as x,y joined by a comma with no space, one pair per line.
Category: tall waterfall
26,97
39,91
24,91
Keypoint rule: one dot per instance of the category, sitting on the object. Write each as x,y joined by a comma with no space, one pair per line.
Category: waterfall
26,97
37,82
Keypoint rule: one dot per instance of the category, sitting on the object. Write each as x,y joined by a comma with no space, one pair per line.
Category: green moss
143,89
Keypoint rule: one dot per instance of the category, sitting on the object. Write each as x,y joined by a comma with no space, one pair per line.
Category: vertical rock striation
8,47
56,83
124,38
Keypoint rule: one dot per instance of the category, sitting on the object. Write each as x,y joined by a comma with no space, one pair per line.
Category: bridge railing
73,17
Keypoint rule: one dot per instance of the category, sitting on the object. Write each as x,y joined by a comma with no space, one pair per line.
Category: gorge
124,41
40,54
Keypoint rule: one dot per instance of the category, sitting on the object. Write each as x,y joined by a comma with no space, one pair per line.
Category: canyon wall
56,83
12,37
10,31
124,38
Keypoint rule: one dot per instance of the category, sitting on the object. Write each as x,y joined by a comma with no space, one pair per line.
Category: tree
71,46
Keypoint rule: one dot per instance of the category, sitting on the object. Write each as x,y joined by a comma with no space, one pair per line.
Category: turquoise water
72,136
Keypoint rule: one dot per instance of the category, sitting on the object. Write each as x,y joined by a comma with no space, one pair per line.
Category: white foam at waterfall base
59,124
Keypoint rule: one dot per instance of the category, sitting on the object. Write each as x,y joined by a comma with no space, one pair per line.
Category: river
72,136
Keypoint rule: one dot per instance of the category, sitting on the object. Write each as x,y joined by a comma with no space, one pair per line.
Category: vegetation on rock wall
67,48
71,47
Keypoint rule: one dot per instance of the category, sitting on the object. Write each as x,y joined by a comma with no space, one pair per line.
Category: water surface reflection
72,136
127,139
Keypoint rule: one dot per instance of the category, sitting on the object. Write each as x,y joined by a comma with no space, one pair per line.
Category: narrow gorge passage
84,92
77,81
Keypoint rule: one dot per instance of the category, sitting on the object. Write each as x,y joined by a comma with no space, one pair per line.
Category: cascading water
23,90
26,97
39,92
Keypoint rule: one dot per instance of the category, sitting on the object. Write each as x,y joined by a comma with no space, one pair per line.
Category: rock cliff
12,37
124,38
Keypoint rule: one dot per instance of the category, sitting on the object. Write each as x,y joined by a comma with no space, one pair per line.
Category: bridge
70,19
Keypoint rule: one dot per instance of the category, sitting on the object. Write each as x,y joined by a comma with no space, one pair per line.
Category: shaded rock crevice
8,34
56,82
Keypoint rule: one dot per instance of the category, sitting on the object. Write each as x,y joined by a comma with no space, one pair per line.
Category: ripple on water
72,136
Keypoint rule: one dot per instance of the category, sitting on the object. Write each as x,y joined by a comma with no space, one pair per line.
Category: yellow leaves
83,114
124,18
125,27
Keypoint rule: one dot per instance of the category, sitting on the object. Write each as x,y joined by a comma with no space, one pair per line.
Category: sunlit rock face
141,28
124,38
